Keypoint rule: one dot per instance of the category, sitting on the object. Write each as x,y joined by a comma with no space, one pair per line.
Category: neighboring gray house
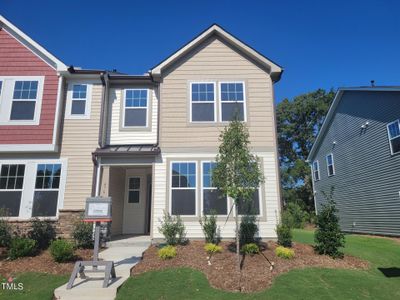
358,153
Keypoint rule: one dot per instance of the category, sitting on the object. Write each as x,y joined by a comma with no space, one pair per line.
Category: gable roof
274,69
32,45
332,111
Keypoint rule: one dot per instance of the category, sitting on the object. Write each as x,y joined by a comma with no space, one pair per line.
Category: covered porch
125,173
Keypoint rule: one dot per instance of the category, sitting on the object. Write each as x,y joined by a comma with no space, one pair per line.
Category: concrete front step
124,255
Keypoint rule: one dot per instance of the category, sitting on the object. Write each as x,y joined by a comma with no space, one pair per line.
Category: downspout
59,109
312,185
158,107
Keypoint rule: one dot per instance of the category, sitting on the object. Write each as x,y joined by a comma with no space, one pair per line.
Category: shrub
212,248
284,235
294,216
62,250
283,252
5,233
83,235
248,229
21,247
250,249
167,252
173,229
328,236
209,226
43,233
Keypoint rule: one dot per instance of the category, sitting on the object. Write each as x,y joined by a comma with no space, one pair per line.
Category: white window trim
26,206
183,188
88,100
220,100
212,188
316,170
214,102
327,165
124,108
6,100
136,190
390,139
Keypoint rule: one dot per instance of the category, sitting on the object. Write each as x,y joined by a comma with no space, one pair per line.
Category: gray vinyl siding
367,176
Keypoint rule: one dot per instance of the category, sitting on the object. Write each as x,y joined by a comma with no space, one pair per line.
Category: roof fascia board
32,45
274,68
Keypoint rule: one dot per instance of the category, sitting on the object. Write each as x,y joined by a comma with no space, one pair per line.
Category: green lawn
36,286
312,283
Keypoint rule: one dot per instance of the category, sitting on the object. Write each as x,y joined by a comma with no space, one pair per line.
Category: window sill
22,220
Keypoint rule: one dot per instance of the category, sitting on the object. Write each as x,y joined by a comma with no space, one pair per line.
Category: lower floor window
251,206
11,184
183,188
45,199
214,202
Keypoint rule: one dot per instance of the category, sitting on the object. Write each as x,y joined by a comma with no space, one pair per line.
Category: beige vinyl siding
269,205
126,136
79,140
214,61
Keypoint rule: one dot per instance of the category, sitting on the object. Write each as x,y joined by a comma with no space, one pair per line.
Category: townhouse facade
147,141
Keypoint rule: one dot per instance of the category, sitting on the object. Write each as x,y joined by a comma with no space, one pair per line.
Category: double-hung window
183,188
232,98
45,199
24,100
213,200
330,164
394,136
11,185
79,99
316,170
203,102
135,108
134,190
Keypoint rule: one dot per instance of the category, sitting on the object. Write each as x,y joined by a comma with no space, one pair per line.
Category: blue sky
321,44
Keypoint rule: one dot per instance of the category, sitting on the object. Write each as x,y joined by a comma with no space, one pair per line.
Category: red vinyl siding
17,60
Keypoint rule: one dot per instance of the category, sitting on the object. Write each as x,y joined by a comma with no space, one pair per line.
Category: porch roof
128,150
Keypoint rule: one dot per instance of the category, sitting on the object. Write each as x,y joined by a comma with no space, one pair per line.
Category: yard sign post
98,209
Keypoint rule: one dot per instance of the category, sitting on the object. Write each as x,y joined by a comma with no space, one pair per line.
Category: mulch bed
256,274
42,263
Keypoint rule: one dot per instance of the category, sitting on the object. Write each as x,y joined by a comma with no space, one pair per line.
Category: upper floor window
79,101
20,99
394,136
330,164
232,101
79,98
316,170
203,102
24,100
183,188
135,108
11,184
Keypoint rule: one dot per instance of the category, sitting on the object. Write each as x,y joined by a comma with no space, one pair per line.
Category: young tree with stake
237,173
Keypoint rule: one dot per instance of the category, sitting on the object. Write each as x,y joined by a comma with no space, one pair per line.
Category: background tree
298,123
237,173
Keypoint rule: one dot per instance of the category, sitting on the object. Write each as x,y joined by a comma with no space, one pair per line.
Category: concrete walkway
125,252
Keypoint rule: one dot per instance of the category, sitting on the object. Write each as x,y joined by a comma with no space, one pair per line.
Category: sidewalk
125,252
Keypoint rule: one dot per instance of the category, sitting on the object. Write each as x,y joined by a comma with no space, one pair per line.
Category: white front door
134,205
